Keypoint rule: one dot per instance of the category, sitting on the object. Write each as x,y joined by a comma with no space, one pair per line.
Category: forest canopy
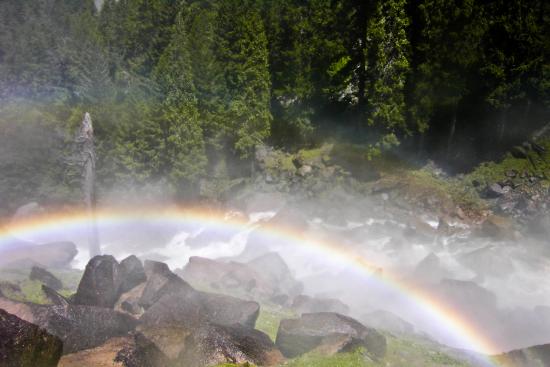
180,90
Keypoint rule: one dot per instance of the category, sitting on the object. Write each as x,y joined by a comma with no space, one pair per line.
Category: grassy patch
355,359
417,353
490,172
269,319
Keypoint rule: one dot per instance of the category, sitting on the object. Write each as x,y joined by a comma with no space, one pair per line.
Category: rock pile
132,314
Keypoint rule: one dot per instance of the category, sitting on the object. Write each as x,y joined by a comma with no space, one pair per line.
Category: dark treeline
182,89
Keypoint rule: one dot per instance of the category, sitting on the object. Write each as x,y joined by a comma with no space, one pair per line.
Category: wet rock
54,297
443,226
49,255
384,320
78,327
488,260
160,282
290,218
272,267
45,277
430,270
498,227
229,277
468,297
495,190
191,308
528,357
129,351
298,336
306,304
129,301
23,344
212,345
170,340
100,284
132,273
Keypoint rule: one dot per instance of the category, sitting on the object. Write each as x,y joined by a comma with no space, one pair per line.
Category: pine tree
241,47
181,153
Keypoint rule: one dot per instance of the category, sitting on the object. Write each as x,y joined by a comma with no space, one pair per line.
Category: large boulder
25,255
54,297
328,332
160,282
128,351
23,344
45,277
100,284
232,277
384,320
192,308
79,327
276,271
306,304
212,345
170,340
132,273
129,302
537,356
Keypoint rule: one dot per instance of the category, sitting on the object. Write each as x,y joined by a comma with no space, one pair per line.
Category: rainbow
440,313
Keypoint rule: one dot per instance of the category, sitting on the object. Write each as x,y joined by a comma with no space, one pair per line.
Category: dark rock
100,284
132,273
170,340
45,277
54,297
160,282
23,344
306,304
212,345
79,327
128,351
49,255
328,331
189,308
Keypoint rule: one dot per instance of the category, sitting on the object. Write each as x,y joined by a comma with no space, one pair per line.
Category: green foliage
241,46
175,87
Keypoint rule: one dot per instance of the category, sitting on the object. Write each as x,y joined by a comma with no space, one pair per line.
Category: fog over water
500,287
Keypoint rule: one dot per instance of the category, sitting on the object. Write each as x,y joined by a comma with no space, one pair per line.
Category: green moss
269,319
490,172
32,290
355,359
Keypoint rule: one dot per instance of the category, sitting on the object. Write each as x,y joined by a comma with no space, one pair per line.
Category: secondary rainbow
441,313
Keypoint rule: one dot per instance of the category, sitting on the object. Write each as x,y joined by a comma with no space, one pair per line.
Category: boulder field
135,314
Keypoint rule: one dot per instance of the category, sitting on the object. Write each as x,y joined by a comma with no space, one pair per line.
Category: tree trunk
451,133
87,150
503,123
